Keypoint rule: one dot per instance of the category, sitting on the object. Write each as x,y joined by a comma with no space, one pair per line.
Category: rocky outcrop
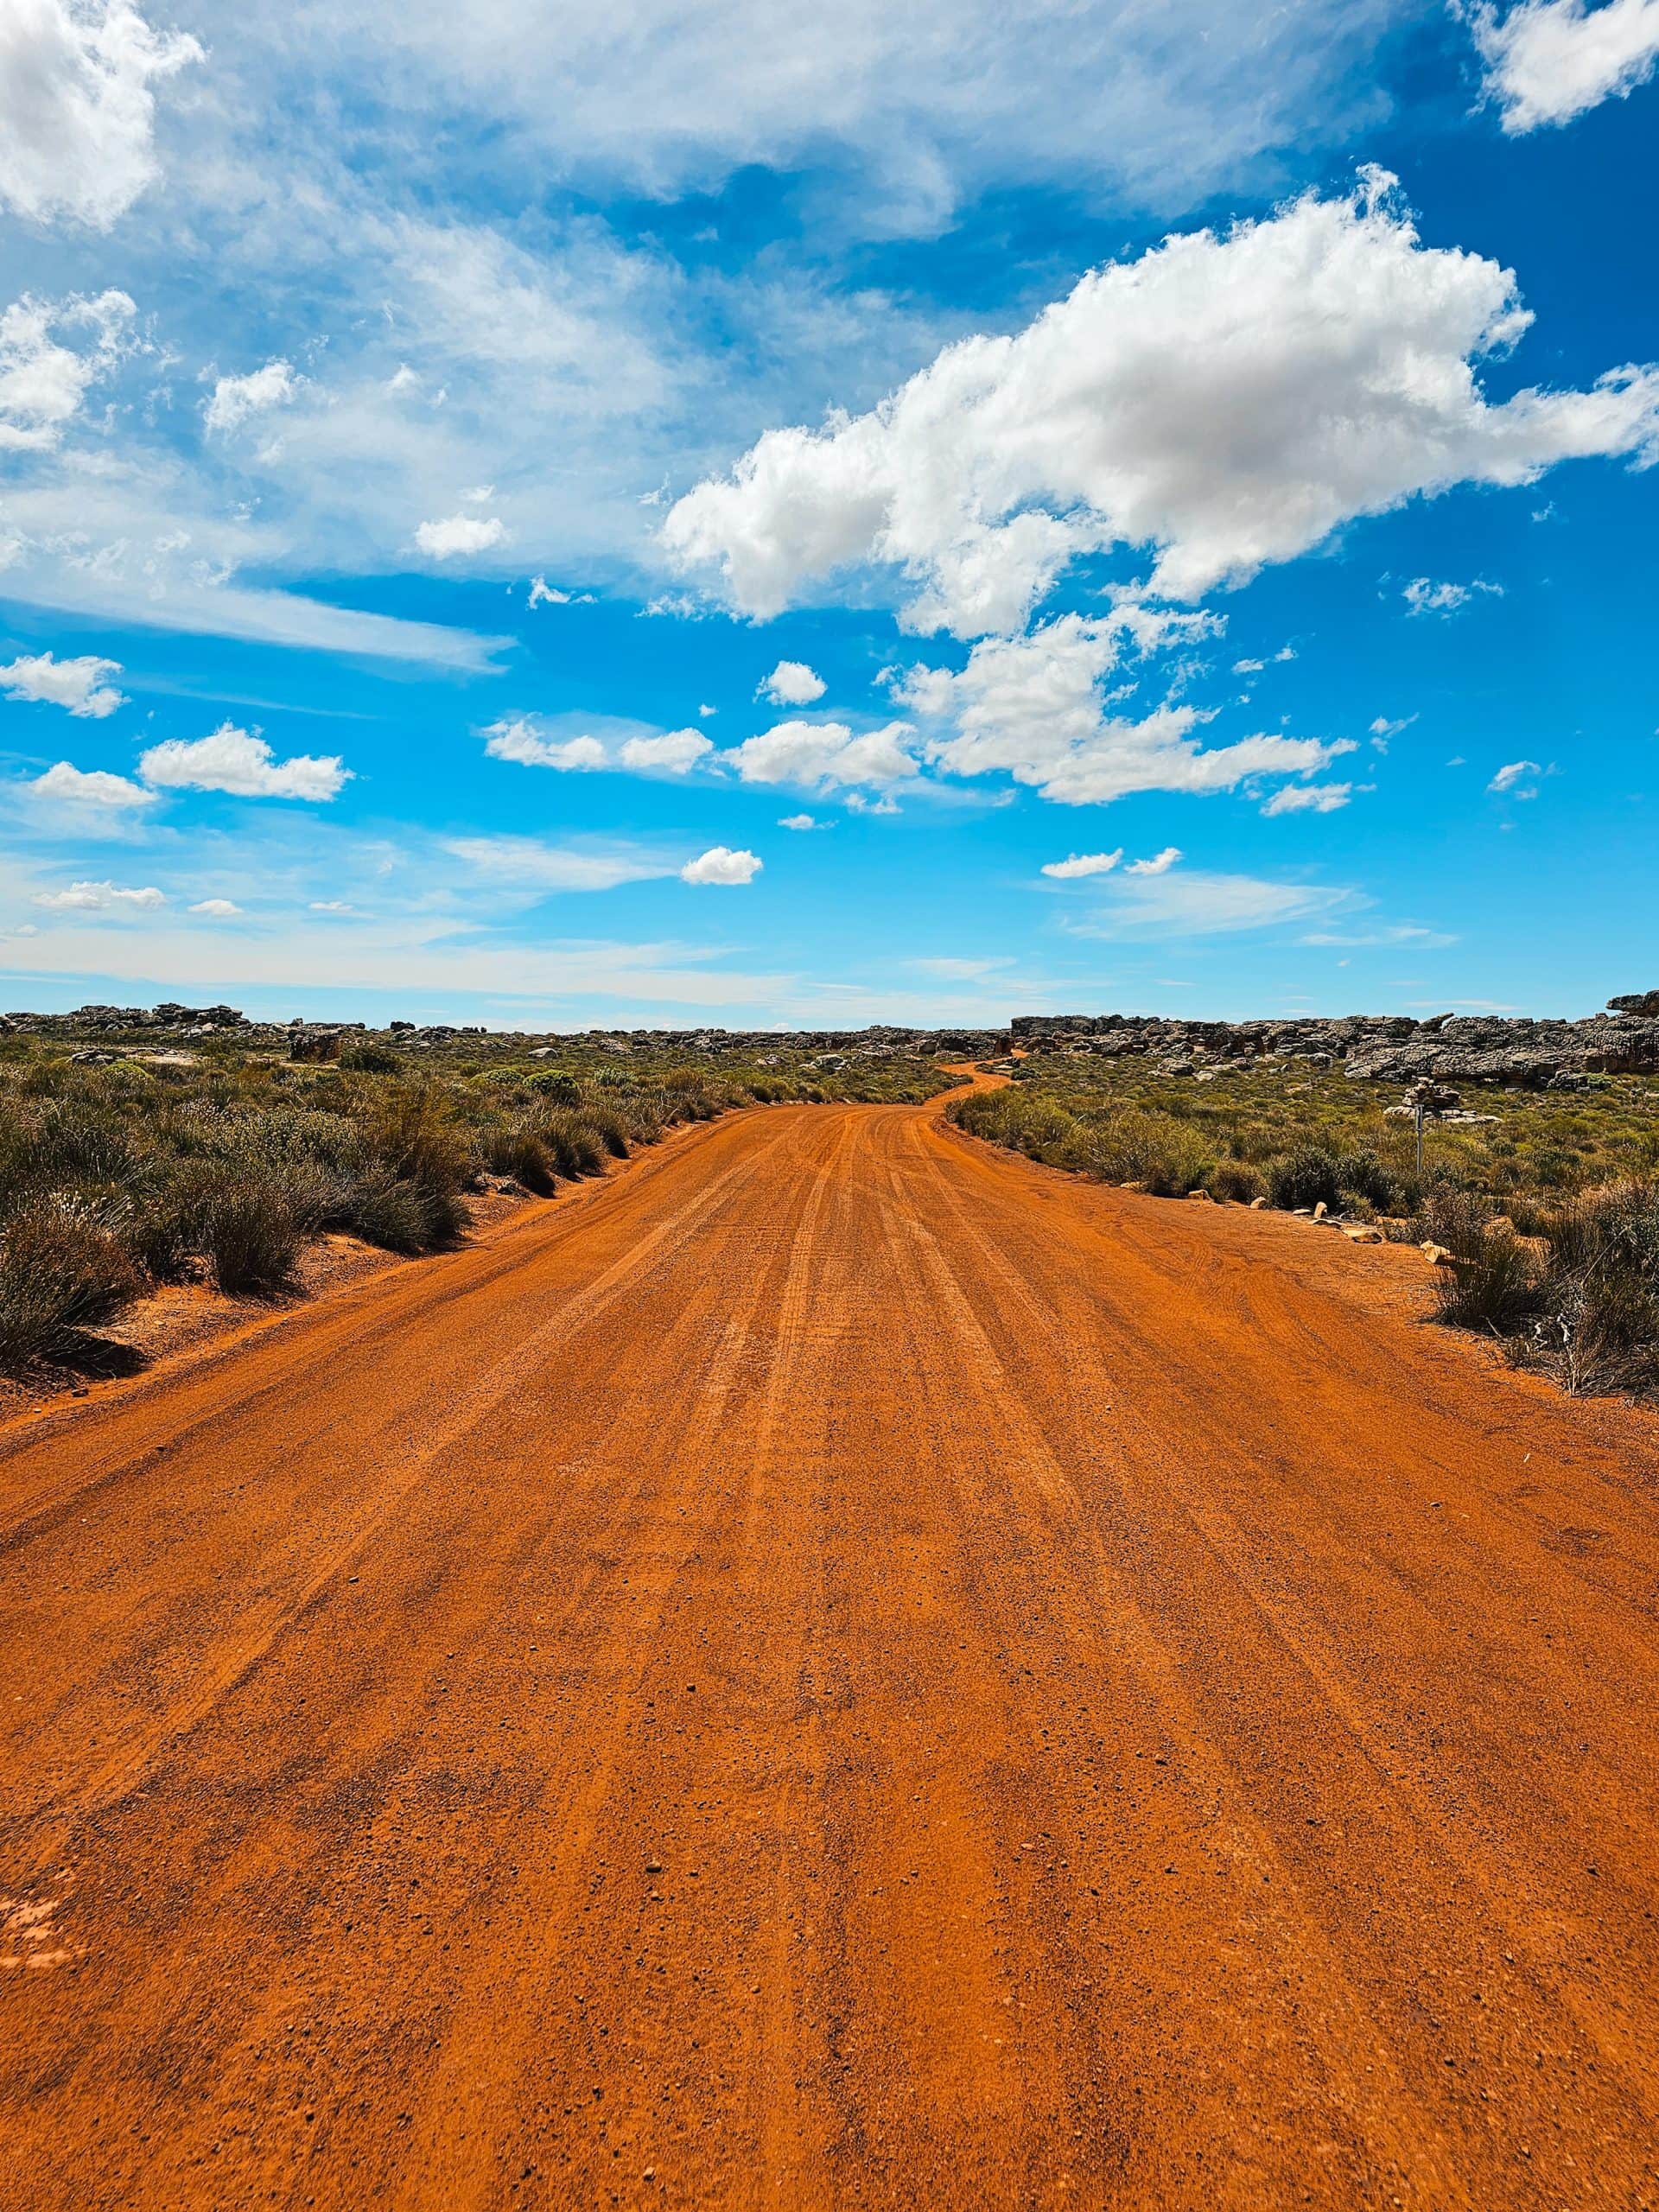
1380,1048
200,1019
1394,1048
321,1040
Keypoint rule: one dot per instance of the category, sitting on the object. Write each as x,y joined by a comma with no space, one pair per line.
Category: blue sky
916,516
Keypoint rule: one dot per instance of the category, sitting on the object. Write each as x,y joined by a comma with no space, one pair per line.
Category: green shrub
1168,1155
415,1134
370,1059
557,1088
1238,1181
1611,1231
645,1119
158,1226
1310,1176
75,1140
417,1131
1361,1174
62,1272
686,1096
1605,1331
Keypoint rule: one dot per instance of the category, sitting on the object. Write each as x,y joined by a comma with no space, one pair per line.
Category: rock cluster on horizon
1383,1048
1371,1047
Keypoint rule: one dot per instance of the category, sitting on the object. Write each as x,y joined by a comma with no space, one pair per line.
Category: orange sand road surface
841,1669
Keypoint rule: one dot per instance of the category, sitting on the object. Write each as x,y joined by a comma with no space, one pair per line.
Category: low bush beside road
1581,1301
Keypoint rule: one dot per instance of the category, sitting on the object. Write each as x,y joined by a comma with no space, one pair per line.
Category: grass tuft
62,1272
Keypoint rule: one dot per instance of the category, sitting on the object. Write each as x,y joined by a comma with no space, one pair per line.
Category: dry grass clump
1581,1301
1493,1280
62,1272
1599,1326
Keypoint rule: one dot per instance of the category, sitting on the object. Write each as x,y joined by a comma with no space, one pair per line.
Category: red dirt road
841,1669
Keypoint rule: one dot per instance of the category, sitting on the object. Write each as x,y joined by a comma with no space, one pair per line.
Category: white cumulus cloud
76,108
826,754
720,864
1077,864
455,536
1159,864
99,898
517,737
64,784
1548,60
218,909
1223,402
241,763
234,400
791,683
673,753
535,743
43,381
1032,708
81,685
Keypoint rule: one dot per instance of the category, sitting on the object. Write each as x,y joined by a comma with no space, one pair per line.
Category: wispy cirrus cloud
1206,903
529,864
1308,798
1424,597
